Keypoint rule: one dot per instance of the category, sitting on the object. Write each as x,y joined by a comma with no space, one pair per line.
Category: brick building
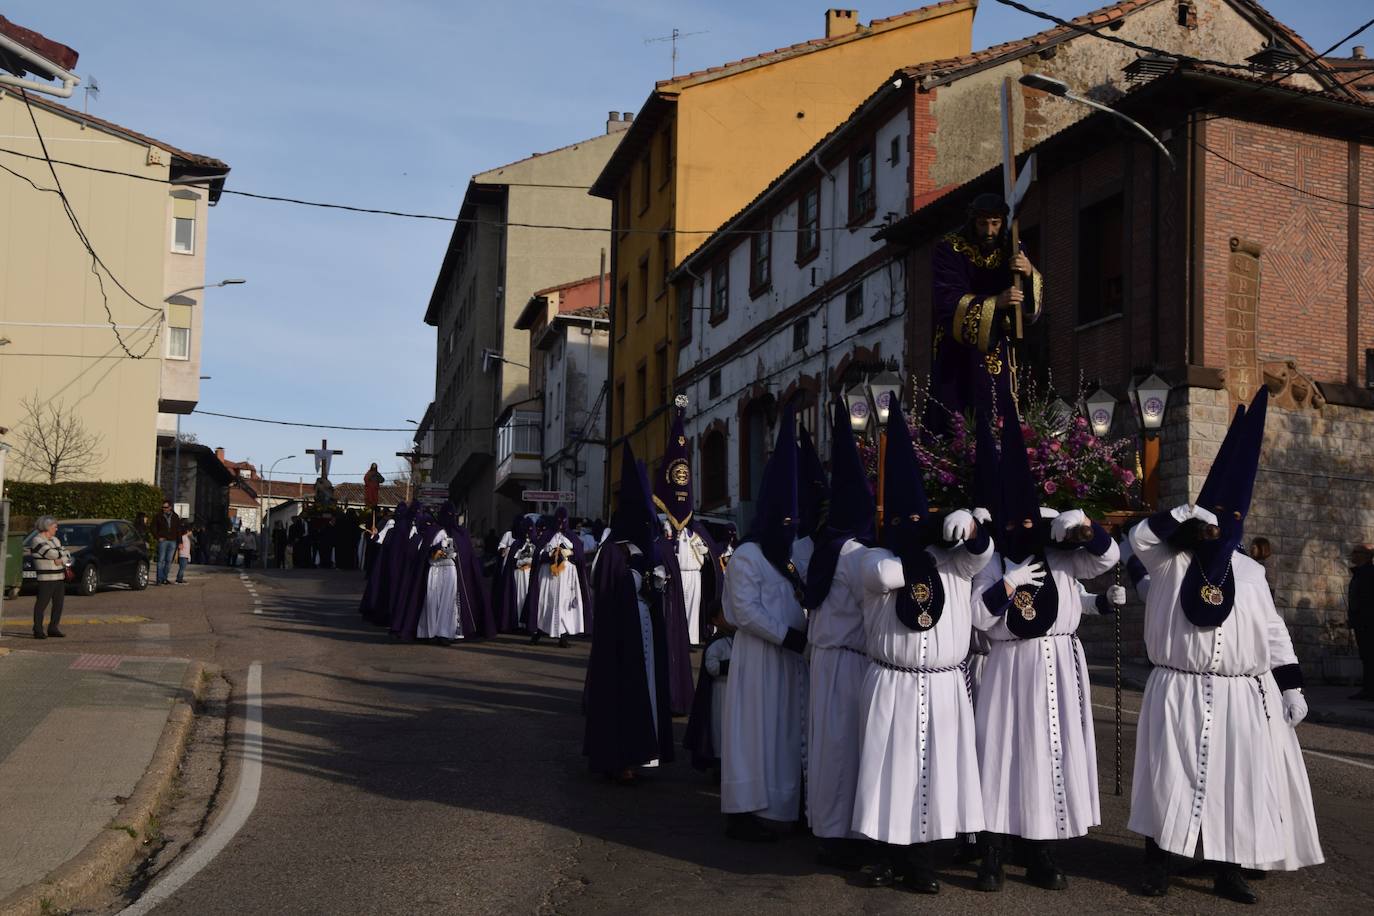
1251,262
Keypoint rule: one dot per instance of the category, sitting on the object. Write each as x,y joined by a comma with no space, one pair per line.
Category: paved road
415,779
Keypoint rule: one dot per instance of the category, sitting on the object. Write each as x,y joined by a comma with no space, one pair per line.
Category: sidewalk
77,733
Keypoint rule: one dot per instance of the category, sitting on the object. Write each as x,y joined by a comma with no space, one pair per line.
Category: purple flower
946,478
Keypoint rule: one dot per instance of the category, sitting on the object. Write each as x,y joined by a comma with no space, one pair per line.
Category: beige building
486,433
108,344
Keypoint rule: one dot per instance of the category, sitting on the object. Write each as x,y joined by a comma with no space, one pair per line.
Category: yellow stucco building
115,346
703,145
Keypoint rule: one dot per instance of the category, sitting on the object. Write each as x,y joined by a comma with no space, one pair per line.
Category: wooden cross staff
1013,189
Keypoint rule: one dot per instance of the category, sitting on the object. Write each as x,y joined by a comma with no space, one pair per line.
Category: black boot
1231,884
990,874
563,642
1155,882
39,634
534,638
746,827
54,631
920,873
1041,869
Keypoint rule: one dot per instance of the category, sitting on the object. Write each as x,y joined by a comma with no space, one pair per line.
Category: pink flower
1051,487
1030,452
1081,422
1128,477
946,478
1054,446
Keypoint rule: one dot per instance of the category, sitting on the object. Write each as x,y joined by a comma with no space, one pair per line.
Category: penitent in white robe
560,595
440,617
1215,761
716,657
691,557
765,697
918,776
835,631
1036,753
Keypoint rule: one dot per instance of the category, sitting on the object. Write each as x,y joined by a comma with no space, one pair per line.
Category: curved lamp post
1049,84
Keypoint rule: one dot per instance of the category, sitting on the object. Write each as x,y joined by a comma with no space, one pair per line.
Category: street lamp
236,281
1101,411
262,501
1049,84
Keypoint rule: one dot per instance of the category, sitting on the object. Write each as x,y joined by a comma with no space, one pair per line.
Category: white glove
1181,513
1064,521
658,579
1294,706
982,515
1030,574
959,526
1204,515
1116,595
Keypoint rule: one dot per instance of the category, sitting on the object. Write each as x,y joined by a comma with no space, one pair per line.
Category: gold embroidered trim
961,245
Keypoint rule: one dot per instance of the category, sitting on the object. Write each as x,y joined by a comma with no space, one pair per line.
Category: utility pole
673,39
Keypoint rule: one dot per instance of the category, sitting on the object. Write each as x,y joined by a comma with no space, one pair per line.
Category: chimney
219,452
1357,52
627,116
614,125
841,22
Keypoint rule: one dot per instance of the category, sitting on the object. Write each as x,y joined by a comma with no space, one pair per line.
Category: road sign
548,496
432,492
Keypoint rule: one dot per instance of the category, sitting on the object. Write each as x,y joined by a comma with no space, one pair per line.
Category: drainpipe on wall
69,80
822,427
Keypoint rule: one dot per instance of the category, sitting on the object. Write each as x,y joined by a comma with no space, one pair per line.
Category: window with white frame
184,234
178,343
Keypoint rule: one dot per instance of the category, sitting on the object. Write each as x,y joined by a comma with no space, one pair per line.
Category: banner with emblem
673,486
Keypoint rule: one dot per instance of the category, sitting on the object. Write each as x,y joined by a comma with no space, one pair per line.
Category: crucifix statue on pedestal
324,490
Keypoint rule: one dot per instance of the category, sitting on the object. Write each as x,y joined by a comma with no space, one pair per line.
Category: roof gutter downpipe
69,80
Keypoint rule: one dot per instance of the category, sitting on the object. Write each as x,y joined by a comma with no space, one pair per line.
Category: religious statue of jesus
975,297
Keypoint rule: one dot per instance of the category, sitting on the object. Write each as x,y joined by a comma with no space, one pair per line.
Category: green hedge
80,500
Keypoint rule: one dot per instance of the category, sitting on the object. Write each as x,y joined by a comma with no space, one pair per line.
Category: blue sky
394,105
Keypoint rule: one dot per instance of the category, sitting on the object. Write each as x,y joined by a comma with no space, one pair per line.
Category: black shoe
880,875
534,640
1042,872
1155,882
1231,884
990,873
920,876
563,642
39,634
54,631
746,827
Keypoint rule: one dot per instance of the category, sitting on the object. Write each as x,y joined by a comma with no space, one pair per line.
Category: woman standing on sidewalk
50,562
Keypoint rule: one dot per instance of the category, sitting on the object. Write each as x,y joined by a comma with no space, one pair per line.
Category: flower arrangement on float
1072,467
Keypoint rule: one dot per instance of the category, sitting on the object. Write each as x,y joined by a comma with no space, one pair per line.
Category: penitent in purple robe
972,365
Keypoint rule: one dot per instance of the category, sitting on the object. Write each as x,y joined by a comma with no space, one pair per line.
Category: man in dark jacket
1360,605
166,531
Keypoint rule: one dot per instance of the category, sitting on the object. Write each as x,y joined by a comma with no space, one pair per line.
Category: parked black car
104,552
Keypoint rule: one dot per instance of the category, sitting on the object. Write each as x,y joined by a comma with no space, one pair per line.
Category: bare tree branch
54,443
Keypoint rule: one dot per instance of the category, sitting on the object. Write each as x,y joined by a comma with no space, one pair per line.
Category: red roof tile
45,47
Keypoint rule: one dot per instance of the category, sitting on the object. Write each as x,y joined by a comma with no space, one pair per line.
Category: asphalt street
417,779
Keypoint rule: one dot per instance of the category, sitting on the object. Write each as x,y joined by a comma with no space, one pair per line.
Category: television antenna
673,39
92,89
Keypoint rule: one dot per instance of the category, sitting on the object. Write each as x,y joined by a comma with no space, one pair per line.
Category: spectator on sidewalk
279,543
166,530
141,527
50,562
248,548
1360,606
183,555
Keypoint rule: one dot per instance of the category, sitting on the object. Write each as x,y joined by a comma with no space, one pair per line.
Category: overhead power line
368,429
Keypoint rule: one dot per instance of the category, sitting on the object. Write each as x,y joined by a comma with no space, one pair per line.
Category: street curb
105,856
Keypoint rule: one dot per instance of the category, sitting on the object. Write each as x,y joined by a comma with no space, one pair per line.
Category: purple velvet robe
972,365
